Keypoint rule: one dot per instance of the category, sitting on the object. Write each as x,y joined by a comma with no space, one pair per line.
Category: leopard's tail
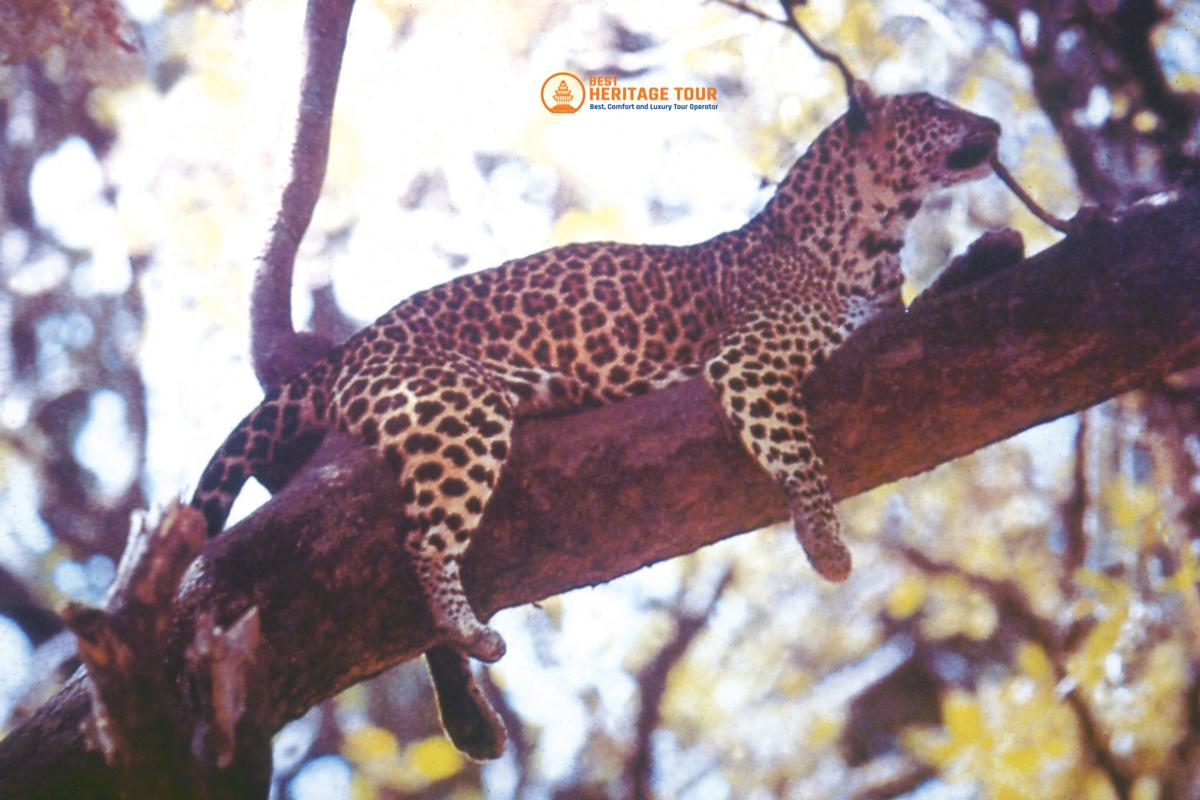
270,444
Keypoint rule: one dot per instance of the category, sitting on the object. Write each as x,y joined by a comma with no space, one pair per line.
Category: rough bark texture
592,496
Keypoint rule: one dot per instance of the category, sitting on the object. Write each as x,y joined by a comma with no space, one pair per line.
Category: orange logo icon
563,93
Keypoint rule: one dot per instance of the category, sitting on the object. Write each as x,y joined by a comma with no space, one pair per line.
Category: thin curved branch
1011,602
652,684
791,23
278,351
601,493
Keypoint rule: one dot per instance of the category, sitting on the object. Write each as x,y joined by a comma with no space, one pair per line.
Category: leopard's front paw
478,641
486,645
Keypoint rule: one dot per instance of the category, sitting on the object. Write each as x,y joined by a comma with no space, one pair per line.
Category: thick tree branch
599,494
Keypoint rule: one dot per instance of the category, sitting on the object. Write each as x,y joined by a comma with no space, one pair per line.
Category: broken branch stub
133,700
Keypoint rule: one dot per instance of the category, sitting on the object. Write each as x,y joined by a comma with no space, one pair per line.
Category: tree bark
592,496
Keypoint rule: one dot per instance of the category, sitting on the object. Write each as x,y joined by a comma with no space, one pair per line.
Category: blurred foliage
1022,623
89,39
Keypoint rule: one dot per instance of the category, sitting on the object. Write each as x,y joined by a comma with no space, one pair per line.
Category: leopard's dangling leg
758,386
811,504
446,429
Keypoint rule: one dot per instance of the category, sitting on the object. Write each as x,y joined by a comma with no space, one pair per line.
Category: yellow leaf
1056,748
353,699
963,717
601,224
369,743
1120,105
435,758
1034,662
1145,121
1145,788
1106,586
1008,791
1088,663
1130,504
381,760
825,730
1185,81
981,619
1097,786
1021,760
906,597
952,607
929,745
1185,578
362,788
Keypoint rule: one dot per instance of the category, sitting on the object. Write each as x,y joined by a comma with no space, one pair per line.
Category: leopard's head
924,143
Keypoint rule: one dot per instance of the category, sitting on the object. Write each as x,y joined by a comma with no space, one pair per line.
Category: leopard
436,384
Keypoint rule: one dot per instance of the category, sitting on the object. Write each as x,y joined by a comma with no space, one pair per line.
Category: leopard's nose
990,126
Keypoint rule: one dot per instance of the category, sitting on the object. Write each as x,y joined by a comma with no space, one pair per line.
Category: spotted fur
435,384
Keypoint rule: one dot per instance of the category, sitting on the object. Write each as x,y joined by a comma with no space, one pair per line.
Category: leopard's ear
862,103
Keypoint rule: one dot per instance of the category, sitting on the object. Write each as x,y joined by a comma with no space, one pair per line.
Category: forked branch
790,22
